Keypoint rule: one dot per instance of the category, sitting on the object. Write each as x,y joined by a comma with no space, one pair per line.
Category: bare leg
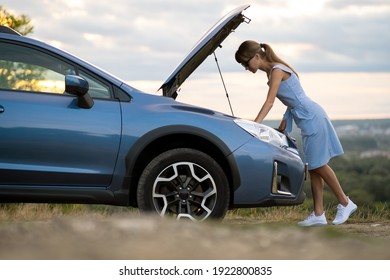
317,189
330,178
344,209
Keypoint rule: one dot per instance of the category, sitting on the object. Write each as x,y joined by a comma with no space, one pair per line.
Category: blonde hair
249,49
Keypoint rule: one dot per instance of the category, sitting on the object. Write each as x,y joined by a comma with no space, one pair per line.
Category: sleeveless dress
319,139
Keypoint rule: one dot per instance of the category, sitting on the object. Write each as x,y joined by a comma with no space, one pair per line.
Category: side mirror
79,86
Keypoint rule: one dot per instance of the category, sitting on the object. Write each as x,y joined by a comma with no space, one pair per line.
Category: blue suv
72,133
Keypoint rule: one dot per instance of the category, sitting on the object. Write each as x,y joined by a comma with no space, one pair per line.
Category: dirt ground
144,237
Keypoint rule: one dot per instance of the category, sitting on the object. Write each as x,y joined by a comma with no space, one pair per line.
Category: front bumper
269,176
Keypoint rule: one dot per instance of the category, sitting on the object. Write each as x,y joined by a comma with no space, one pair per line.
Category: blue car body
54,150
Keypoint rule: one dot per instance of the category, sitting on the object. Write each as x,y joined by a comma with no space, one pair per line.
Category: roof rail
6,29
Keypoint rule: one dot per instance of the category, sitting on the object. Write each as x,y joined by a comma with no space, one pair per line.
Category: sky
340,48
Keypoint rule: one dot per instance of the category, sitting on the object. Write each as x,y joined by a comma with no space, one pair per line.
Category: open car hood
206,46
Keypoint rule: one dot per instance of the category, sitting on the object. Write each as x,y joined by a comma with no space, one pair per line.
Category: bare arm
276,78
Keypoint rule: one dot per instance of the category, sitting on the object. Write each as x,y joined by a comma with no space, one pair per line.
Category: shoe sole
353,211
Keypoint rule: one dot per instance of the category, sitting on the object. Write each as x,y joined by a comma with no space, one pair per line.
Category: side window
97,89
27,69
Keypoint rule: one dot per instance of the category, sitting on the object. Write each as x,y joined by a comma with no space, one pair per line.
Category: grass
44,211
377,212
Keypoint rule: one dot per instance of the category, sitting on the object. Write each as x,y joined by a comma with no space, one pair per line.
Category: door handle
2,109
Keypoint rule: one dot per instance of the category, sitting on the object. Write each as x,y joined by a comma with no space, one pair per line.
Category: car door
45,138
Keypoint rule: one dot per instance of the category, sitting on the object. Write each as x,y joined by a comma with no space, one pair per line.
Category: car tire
184,183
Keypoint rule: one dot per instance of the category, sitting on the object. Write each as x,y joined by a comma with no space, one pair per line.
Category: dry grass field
42,231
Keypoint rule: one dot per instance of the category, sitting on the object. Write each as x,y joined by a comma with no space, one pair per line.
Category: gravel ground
144,237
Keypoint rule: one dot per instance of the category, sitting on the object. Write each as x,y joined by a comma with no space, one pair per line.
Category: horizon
343,95
350,79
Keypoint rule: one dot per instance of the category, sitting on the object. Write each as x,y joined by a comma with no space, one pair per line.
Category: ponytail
270,56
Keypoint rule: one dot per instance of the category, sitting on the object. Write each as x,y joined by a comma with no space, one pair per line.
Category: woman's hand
282,125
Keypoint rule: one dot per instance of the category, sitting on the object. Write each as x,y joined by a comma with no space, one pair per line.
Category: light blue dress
319,139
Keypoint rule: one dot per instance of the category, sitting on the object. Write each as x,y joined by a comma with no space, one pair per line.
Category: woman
319,139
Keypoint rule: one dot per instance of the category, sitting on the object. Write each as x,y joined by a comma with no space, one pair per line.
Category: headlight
263,132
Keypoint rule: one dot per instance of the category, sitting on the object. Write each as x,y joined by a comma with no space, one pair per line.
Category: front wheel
184,183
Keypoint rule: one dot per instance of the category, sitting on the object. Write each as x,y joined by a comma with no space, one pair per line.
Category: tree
14,75
22,23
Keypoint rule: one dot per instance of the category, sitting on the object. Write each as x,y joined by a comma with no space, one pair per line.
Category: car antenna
223,82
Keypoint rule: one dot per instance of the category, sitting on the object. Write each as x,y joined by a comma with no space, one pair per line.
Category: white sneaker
343,213
313,220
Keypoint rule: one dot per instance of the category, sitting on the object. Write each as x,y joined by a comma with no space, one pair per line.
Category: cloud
142,42
147,39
